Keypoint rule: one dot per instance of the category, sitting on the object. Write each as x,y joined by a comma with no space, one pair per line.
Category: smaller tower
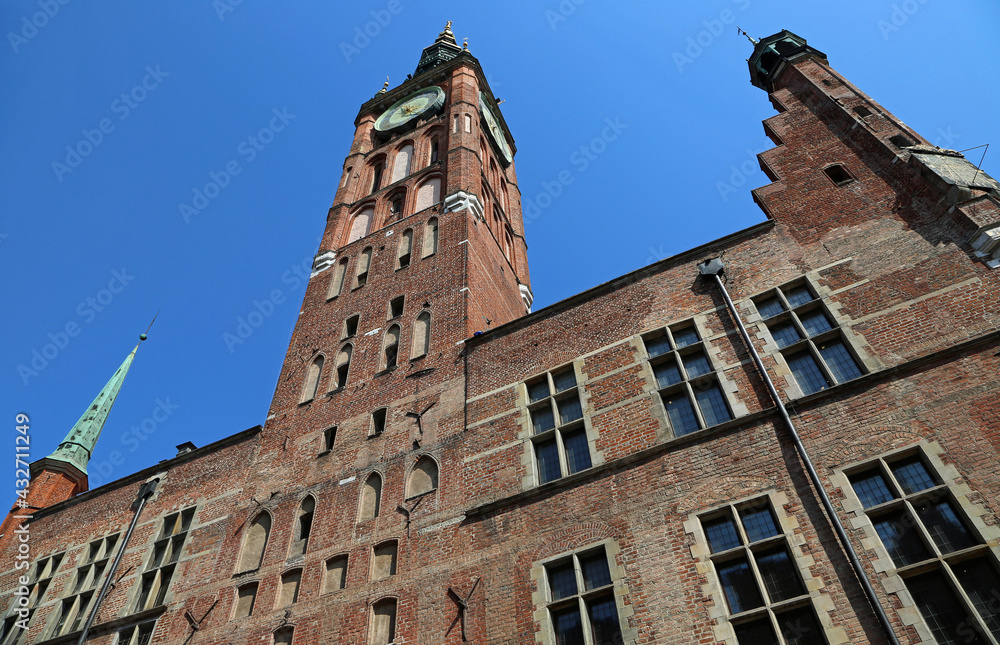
63,473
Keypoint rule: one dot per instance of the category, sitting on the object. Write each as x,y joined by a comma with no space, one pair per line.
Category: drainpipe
145,492
715,269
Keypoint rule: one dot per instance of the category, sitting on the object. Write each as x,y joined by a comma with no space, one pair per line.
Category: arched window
303,526
344,365
390,347
435,149
428,194
401,166
504,197
430,237
255,542
396,204
312,379
362,224
364,262
337,282
423,478
383,622
405,248
371,497
377,176
421,335
347,176
509,249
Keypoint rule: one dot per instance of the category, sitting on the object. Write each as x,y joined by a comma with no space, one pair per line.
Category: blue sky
116,113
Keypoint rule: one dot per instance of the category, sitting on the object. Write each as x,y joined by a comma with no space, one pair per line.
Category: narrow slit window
343,366
364,262
390,347
405,248
430,237
421,335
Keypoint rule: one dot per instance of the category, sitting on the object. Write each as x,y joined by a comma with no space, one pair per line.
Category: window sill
419,358
323,454
306,402
388,370
336,390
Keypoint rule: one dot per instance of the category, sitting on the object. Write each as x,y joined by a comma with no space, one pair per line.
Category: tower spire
442,50
78,446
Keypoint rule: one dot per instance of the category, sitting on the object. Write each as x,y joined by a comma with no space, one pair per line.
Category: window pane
779,575
758,523
944,525
542,419
871,488
798,295
900,539
800,627
839,360
595,570
577,450
680,412
982,584
667,373
739,585
538,391
721,534
604,621
712,404
941,609
657,346
569,630
562,580
815,322
696,364
569,410
548,460
770,307
785,334
912,475
807,373
686,337
564,381
759,632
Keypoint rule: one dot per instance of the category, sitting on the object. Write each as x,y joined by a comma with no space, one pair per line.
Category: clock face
496,132
405,110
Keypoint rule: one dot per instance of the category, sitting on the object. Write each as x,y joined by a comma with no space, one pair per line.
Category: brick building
787,435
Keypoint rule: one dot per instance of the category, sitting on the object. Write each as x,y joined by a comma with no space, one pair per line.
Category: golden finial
385,86
447,26
465,44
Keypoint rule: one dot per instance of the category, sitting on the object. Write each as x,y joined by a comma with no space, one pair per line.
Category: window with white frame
688,382
808,337
559,434
944,562
766,597
579,597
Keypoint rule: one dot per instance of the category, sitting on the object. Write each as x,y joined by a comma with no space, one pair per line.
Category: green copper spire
79,444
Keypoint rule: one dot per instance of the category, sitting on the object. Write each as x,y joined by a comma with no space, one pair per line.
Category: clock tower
423,248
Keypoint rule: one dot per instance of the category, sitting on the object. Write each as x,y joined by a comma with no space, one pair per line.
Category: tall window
421,335
72,612
361,224
337,281
423,478
289,592
945,564
435,144
336,574
768,601
688,382
396,206
559,438
312,380
155,582
383,622
255,542
364,263
390,347
344,365
405,248
809,339
430,237
246,597
401,166
303,526
371,497
580,597
377,176
347,176
428,194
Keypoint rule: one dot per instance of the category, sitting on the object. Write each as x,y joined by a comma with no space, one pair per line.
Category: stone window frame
253,585
688,384
139,634
162,563
289,583
531,438
92,565
346,557
840,330
384,556
42,573
545,635
393,620
821,601
951,484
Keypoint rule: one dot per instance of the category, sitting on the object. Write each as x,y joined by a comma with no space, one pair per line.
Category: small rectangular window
396,307
378,422
351,326
329,438
336,574
838,174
